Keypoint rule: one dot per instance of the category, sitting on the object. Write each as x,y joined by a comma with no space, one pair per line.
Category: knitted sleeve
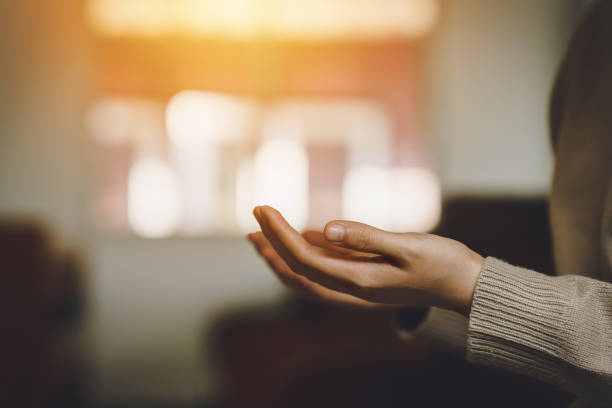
444,329
556,329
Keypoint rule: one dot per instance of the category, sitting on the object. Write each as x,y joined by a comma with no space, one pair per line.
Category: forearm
445,329
556,329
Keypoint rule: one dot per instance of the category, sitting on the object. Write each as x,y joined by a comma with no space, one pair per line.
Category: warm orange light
246,19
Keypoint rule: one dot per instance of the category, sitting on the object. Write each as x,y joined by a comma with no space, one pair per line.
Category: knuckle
411,250
363,239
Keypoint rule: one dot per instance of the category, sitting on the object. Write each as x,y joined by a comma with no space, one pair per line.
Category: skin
358,265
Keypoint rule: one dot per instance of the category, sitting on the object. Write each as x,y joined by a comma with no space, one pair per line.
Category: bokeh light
353,18
366,196
154,199
198,175
416,202
118,120
281,179
109,120
196,118
248,19
245,197
277,177
401,199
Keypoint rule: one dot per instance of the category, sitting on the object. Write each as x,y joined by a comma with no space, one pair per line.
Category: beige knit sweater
559,329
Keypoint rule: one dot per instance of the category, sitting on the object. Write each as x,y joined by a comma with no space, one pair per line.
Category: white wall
488,74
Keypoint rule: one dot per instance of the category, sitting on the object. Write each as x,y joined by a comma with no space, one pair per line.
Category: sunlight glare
248,19
400,200
280,179
154,199
195,119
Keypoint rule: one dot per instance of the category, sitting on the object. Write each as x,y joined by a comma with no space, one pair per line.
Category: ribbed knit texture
556,329
444,329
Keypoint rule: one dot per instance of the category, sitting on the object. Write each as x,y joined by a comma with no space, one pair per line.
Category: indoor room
138,136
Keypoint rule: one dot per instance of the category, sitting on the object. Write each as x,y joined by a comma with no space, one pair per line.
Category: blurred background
137,135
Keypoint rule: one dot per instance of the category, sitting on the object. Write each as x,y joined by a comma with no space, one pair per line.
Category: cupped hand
358,264
301,284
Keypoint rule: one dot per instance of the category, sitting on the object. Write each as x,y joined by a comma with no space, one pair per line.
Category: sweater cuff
515,321
444,329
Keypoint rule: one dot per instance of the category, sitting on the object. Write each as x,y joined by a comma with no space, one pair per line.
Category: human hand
360,263
303,286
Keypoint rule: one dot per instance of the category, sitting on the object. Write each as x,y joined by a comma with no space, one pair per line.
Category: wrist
471,272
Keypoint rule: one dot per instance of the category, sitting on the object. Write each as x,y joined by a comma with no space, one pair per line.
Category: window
306,105
200,165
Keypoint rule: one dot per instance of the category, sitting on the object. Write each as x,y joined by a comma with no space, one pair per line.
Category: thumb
363,237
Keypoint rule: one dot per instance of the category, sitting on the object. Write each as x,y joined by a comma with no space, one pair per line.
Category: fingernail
334,232
256,212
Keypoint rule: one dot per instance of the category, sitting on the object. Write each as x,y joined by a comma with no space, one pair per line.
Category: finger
335,271
258,239
299,283
273,239
302,285
313,237
269,254
317,238
278,265
363,237
260,247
